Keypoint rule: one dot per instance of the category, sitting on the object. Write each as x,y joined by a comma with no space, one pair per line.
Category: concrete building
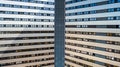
26,33
92,33
86,33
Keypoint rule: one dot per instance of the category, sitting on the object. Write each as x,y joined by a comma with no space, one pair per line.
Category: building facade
92,33
26,33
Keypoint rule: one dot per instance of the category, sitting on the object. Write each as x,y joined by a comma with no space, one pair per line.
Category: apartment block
92,33
26,33
60,33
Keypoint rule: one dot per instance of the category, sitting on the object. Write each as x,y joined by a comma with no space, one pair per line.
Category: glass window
0,5
111,10
118,0
118,9
110,18
111,1
118,18
93,4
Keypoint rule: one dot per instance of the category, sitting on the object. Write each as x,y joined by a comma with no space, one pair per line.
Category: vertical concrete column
59,33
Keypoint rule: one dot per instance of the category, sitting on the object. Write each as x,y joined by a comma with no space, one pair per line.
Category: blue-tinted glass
93,4
118,9
118,0
0,5
111,1
111,10
87,5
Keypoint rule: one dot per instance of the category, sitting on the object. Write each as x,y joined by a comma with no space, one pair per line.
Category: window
111,1
110,18
118,0
92,12
111,10
94,4
118,18
118,9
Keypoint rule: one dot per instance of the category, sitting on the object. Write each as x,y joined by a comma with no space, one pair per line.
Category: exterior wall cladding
26,33
92,33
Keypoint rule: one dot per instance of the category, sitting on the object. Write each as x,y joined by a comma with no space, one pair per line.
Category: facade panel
26,33
92,32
